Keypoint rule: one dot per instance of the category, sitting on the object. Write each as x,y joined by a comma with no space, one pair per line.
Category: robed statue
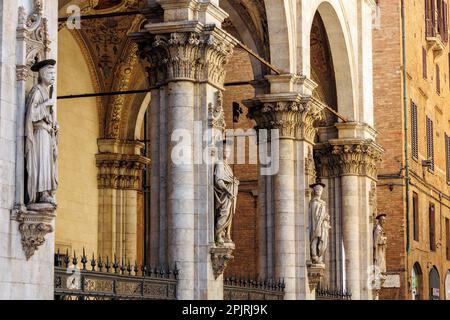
319,224
41,134
379,244
226,188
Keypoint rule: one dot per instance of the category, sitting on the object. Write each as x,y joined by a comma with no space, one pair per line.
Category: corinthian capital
294,116
357,157
198,53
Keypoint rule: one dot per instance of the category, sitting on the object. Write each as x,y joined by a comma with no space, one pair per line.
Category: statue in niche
226,188
41,133
379,244
319,224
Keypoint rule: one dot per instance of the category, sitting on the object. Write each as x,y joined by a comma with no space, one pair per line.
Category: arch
417,282
434,283
447,286
281,20
340,41
79,130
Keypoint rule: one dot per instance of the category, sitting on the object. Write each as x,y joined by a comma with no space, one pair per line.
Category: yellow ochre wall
77,220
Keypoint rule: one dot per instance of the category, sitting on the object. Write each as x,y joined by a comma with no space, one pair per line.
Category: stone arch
434,284
341,47
417,282
447,286
281,15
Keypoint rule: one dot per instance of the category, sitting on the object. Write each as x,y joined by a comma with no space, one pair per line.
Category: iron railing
250,289
103,279
331,294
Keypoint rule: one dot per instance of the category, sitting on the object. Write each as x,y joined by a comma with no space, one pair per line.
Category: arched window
447,286
416,282
434,284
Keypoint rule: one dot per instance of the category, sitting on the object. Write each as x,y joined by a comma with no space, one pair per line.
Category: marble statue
379,244
319,224
41,131
226,188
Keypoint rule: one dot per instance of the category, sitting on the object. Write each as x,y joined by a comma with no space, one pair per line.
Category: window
432,230
436,19
438,80
447,238
430,144
447,157
415,204
414,132
424,63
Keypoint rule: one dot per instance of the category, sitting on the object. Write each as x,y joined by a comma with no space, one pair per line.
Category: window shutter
432,227
430,143
438,80
428,18
445,20
424,63
447,157
416,216
414,132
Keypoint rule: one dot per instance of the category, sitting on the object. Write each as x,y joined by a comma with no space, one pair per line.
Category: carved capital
220,256
120,171
292,115
351,157
195,55
35,222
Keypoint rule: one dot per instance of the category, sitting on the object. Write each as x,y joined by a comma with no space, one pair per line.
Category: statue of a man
226,188
41,131
379,244
319,224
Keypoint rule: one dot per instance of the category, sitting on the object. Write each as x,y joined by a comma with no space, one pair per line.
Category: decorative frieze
120,171
355,157
197,55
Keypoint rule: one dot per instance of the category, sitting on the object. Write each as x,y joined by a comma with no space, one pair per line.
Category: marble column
292,115
120,167
185,56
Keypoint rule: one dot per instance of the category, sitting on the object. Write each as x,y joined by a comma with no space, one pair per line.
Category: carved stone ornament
35,222
315,274
220,256
216,114
35,219
293,116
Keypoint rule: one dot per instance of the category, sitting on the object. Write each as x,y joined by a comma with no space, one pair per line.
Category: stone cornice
293,115
348,157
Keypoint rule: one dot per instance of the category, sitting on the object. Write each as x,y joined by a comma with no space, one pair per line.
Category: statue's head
318,188
225,149
381,219
47,72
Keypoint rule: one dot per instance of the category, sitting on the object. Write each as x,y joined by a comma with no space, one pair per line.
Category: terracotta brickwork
430,186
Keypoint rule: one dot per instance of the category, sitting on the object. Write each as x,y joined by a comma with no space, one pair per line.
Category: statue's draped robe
40,152
319,224
225,205
379,249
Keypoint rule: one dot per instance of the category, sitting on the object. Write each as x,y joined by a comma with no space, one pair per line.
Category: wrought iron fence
330,294
105,279
250,289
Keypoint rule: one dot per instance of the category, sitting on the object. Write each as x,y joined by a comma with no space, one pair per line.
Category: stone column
185,55
292,115
357,156
120,172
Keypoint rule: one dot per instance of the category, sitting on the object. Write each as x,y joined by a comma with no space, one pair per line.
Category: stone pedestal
220,256
315,274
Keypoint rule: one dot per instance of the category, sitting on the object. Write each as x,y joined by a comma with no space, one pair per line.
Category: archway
447,286
417,282
434,284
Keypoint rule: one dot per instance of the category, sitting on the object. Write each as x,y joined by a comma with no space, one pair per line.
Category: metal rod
102,16
103,94
259,58
337,114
